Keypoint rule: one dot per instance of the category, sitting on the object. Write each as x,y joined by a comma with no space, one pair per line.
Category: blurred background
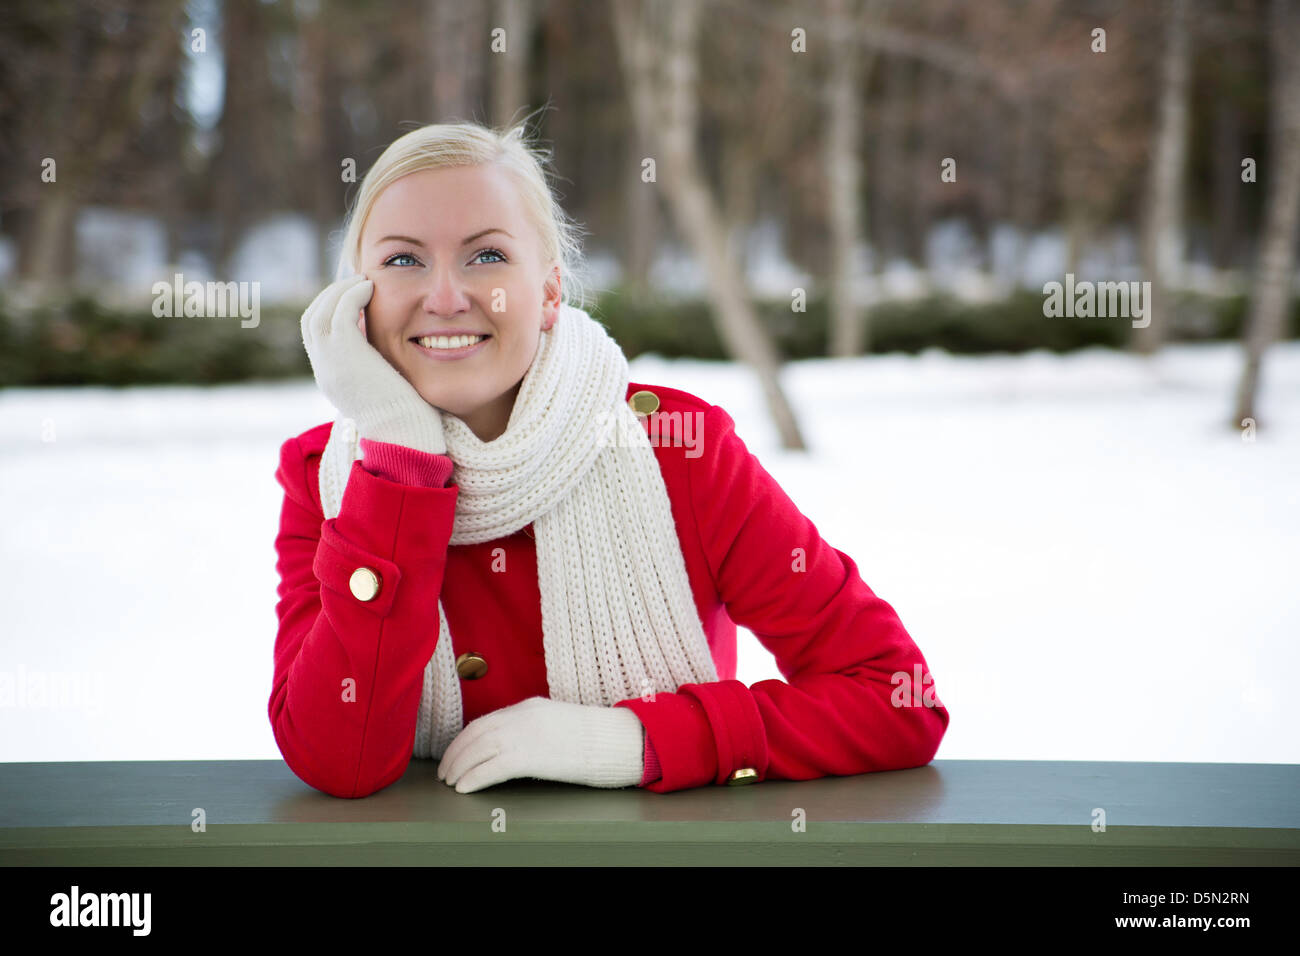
840,219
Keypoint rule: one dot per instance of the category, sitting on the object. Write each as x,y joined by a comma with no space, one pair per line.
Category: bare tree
1271,296
510,67
888,149
316,88
849,333
1227,144
247,162
84,90
664,109
458,49
1162,225
642,222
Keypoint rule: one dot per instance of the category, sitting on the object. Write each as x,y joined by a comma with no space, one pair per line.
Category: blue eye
501,256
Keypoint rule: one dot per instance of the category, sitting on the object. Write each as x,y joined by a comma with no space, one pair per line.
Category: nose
445,292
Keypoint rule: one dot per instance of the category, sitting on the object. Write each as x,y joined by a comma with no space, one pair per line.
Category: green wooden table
963,812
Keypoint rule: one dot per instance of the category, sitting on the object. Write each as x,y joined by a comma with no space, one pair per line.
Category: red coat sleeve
348,672
857,695
406,466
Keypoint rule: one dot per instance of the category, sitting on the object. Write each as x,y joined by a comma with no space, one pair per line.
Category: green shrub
76,340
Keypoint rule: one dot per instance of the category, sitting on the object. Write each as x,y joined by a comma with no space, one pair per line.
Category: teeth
449,341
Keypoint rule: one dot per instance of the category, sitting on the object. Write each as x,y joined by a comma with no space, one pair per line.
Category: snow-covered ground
1094,565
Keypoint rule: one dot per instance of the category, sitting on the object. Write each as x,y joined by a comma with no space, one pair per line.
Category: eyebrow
464,242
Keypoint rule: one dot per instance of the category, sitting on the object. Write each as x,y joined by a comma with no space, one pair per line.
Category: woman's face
451,252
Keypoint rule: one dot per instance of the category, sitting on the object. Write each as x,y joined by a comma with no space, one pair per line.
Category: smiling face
454,257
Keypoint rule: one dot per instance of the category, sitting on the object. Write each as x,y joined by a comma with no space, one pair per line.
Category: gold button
471,666
742,776
643,402
364,584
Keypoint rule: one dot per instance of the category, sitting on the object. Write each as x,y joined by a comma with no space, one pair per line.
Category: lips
449,341
445,347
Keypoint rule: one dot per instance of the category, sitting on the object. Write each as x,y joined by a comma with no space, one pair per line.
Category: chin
445,402
433,398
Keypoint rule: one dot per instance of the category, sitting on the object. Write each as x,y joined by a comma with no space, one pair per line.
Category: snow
1095,566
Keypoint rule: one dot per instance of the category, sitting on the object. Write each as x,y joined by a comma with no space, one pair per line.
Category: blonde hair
445,145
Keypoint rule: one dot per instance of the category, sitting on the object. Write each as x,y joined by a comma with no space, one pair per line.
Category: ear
551,299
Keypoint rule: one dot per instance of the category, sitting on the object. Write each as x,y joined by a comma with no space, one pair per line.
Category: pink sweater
408,466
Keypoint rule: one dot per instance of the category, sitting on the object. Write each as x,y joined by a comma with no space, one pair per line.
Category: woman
507,556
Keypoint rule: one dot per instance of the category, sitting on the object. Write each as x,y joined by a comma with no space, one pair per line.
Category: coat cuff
652,769
395,521
677,726
739,735
405,466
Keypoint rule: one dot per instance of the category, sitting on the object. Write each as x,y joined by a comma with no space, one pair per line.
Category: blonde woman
505,556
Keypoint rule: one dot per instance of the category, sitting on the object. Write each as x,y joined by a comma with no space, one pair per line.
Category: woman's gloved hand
360,382
548,739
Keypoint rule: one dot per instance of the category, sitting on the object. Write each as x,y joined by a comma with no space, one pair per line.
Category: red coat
857,695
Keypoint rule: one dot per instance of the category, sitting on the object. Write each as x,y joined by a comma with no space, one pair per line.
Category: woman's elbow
917,731
929,723
329,777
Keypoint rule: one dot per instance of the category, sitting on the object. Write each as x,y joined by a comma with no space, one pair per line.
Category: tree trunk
458,45
53,242
1028,184
924,169
1228,143
1271,298
309,135
87,142
670,122
245,129
849,335
891,169
1162,225
1078,233
510,74
642,222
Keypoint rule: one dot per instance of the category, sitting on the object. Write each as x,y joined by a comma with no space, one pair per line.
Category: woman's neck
489,422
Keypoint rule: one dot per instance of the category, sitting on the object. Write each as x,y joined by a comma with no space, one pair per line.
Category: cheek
380,300
523,352
382,313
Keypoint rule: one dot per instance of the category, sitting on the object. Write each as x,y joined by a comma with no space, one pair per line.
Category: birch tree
657,52
510,65
849,332
1271,296
1162,226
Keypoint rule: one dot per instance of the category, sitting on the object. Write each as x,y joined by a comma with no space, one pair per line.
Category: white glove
360,382
548,739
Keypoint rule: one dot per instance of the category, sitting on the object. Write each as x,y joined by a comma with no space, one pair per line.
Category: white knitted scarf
618,616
